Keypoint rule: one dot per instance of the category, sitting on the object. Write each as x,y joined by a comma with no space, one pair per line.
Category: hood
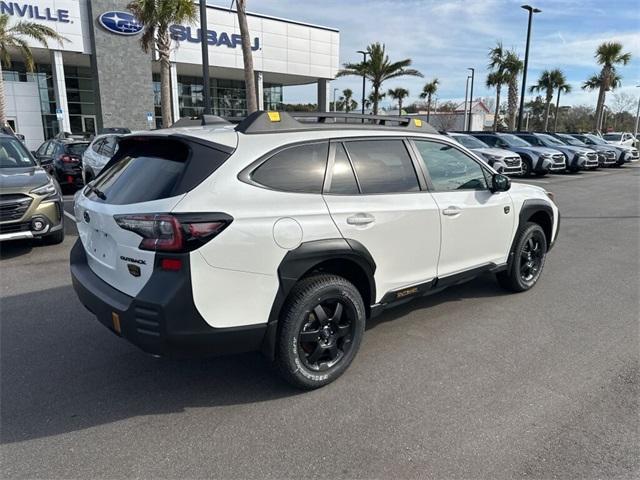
624,148
495,152
574,149
538,150
22,180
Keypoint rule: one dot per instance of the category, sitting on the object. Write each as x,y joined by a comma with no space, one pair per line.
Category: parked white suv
285,235
100,151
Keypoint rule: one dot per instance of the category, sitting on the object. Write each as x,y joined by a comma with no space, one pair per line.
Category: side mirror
500,183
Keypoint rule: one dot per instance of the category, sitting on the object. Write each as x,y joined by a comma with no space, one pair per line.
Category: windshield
616,137
76,148
13,154
514,141
548,139
469,141
572,141
595,139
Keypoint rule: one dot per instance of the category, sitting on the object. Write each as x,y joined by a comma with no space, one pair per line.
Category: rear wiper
98,193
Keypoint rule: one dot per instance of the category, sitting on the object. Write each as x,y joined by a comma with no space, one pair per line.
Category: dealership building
99,76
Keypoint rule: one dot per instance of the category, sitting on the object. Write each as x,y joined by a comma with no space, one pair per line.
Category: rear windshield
146,169
76,148
616,137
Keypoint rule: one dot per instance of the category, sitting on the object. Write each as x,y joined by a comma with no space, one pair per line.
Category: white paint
287,233
60,89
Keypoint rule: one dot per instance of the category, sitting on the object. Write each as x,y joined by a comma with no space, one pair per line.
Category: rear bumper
162,319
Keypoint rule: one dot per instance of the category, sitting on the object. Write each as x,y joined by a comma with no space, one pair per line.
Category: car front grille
13,206
512,161
592,156
14,227
610,155
634,153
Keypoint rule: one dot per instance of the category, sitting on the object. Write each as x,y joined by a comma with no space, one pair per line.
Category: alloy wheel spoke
309,336
342,330
337,315
321,315
333,351
316,354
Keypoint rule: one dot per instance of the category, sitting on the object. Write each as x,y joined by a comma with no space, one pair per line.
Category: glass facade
227,97
80,95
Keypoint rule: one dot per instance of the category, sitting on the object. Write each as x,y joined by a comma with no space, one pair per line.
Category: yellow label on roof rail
274,116
417,122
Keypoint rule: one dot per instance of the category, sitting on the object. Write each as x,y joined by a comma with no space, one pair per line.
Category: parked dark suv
62,158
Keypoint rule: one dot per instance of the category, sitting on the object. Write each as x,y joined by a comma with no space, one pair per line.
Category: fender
529,208
296,263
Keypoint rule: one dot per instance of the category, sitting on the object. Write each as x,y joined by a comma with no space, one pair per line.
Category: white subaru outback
284,234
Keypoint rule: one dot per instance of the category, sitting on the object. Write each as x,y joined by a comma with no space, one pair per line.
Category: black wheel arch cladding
345,257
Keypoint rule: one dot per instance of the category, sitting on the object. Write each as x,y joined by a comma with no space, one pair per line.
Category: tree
546,84
608,54
399,94
496,79
247,56
596,82
15,38
562,87
428,90
346,101
378,68
156,16
512,68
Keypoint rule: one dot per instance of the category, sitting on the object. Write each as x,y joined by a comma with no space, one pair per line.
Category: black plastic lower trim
162,319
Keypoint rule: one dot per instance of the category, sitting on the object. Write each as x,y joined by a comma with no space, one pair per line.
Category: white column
260,90
60,89
175,92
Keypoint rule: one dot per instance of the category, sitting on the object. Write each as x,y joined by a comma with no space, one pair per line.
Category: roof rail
201,120
275,122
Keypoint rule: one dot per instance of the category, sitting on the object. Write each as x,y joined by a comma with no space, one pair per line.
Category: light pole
364,78
335,107
206,92
466,93
473,73
635,131
531,11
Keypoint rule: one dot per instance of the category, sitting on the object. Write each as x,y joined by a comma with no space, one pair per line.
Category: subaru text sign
181,33
122,23
34,12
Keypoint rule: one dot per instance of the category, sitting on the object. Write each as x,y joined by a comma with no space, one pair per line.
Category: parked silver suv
501,160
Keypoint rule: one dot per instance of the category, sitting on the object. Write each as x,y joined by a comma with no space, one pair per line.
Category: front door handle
361,219
451,211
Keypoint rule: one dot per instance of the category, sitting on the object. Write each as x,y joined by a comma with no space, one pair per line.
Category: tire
55,238
314,347
529,255
526,168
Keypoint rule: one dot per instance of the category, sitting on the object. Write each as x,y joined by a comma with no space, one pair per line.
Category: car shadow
62,371
15,248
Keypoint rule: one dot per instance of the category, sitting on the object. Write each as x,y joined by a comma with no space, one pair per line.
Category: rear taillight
174,233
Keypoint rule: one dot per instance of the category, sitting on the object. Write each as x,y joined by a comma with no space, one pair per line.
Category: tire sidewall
294,321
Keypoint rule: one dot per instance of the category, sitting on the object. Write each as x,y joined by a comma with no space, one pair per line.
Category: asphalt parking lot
468,383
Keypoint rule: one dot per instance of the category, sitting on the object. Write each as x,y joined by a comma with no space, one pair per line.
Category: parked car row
527,153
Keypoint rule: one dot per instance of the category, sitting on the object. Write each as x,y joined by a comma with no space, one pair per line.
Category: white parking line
68,215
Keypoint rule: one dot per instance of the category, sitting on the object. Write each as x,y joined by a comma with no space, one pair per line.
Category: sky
445,37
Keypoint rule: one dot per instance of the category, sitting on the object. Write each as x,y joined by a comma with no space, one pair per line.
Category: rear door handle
451,211
361,219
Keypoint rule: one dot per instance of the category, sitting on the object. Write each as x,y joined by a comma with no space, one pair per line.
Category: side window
108,146
343,180
43,148
295,169
491,141
533,140
449,168
50,148
383,166
97,145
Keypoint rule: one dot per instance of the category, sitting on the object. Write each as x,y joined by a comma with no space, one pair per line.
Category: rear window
146,169
296,169
383,166
76,148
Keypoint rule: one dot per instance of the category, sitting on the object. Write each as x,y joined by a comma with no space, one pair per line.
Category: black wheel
529,254
526,168
322,325
55,237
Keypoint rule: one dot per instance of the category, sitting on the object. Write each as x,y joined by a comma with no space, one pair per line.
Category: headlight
493,158
47,190
546,155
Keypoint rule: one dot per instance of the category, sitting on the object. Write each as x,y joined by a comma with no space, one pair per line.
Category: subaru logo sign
122,23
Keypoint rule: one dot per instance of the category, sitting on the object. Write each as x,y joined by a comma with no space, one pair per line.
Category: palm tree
378,69
15,38
563,87
247,55
399,94
595,82
512,68
496,79
428,90
547,84
156,16
347,102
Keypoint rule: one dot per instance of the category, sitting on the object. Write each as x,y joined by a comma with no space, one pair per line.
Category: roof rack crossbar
274,122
